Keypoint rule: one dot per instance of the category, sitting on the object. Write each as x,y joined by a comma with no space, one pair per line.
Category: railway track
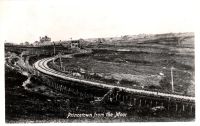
42,66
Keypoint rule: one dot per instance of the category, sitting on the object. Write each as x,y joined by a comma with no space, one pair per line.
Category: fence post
140,103
134,101
176,107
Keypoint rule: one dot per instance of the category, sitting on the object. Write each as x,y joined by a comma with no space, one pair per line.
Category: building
26,43
36,43
75,44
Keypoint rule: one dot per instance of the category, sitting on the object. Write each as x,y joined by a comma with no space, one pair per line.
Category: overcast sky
26,20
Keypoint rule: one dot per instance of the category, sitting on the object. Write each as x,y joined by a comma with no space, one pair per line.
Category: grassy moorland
142,63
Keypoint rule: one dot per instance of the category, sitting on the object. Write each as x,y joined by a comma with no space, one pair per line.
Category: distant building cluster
43,41
8,44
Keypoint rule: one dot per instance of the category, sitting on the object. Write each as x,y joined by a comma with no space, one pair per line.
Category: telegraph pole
60,60
172,81
54,49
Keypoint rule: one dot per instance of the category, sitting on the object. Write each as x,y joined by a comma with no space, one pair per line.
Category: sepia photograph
97,61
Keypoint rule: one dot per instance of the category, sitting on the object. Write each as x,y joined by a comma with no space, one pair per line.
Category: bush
129,83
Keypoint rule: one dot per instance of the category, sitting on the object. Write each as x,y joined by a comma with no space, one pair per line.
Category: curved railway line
42,67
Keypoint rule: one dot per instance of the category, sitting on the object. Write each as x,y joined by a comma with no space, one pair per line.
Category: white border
197,76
